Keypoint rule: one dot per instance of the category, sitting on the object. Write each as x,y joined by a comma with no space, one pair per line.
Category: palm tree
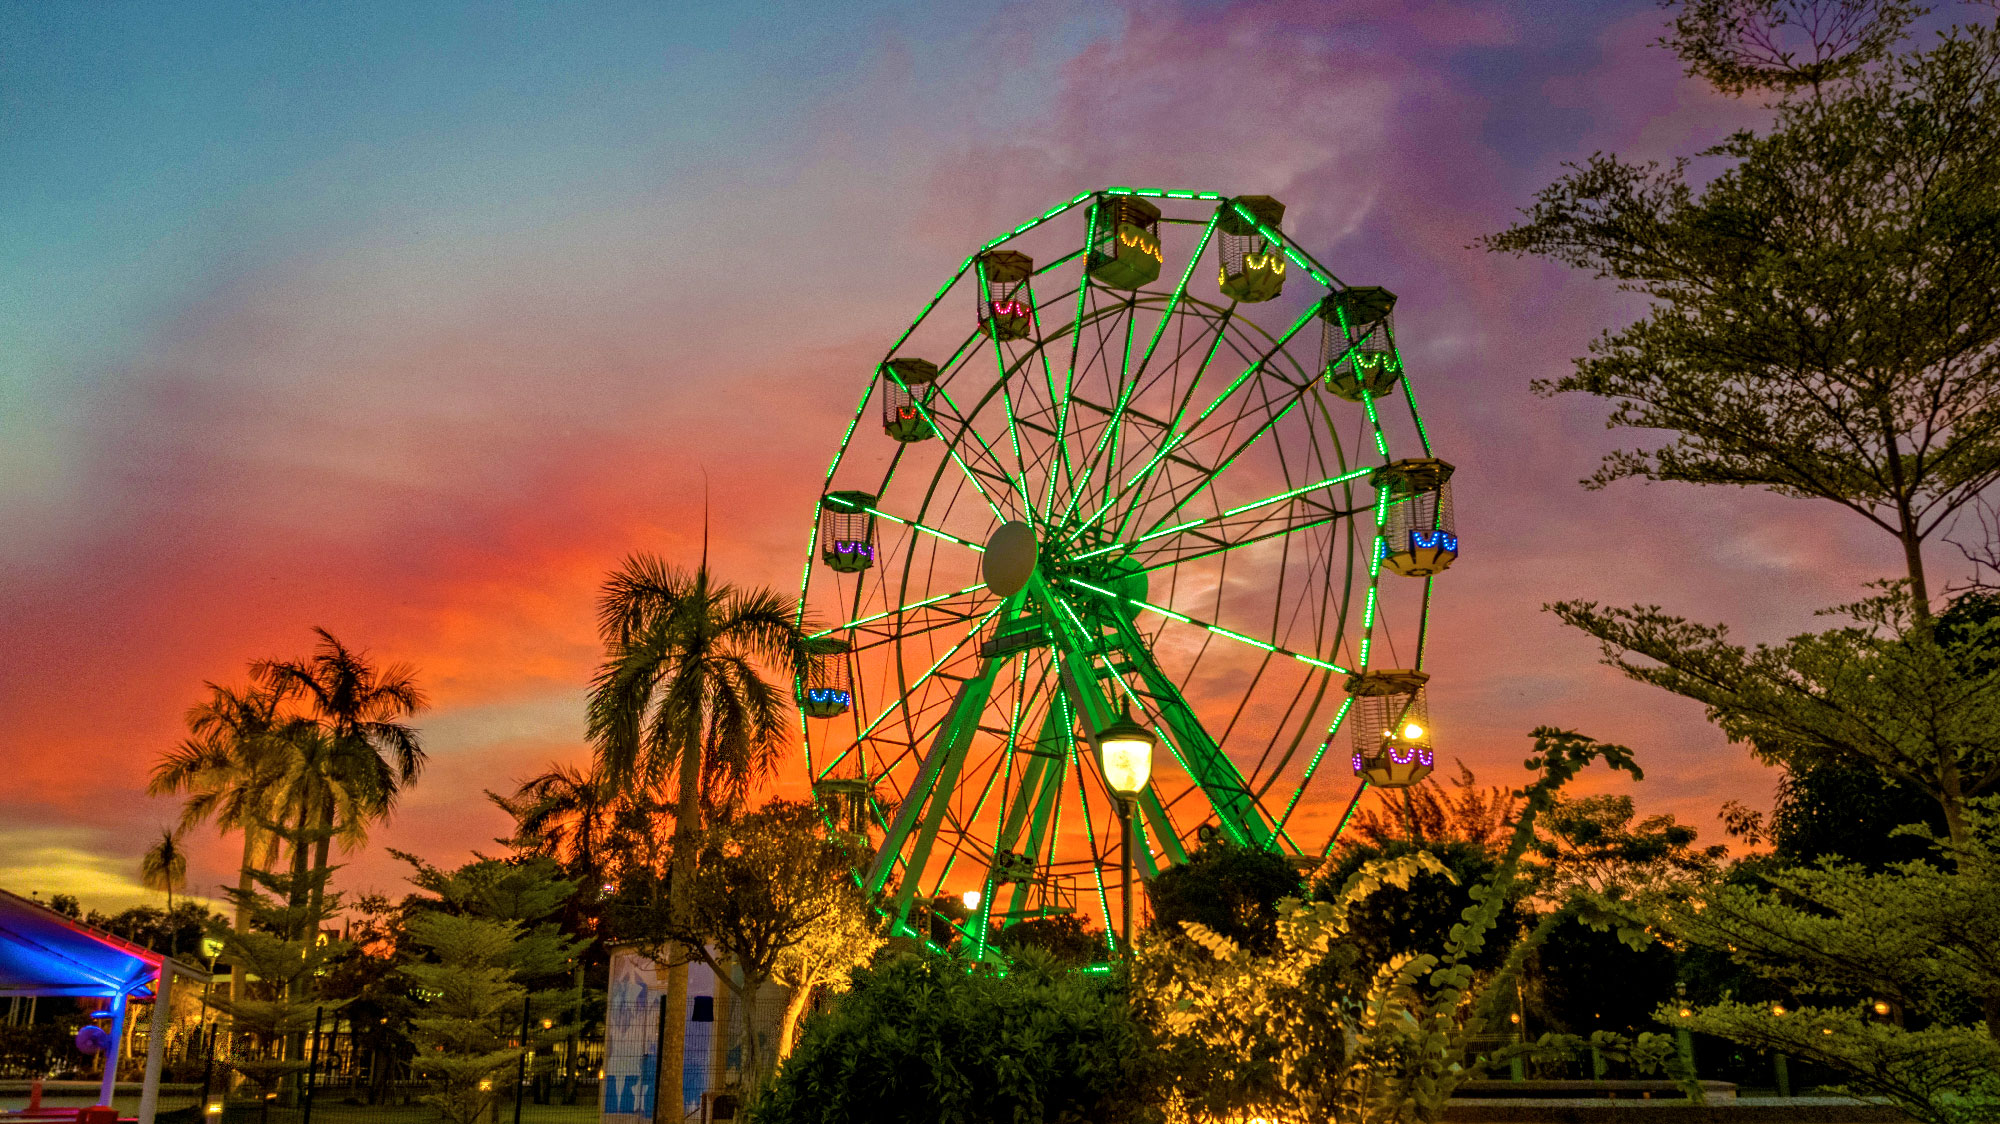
364,755
165,866
227,766
576,819
680,701
565,814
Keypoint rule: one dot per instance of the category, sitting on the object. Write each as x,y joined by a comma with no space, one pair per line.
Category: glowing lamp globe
1126,749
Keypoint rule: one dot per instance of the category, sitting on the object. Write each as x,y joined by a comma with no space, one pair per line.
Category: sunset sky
411,320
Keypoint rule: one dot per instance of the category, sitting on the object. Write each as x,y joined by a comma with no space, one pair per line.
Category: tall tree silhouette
680,704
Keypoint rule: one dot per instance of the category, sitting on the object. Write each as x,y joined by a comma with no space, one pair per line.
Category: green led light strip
1237,510
1312,766
1129,380
914,605
921,679
931,531
1351,806
1162,610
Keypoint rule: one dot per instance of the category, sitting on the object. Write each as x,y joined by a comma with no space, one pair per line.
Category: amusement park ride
1109,508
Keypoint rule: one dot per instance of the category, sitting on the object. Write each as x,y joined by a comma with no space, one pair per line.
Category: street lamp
1125,750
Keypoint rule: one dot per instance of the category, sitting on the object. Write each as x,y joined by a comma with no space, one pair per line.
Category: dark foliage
1832,808
1590,980
1063,937
1419,919
1231,889
921,1040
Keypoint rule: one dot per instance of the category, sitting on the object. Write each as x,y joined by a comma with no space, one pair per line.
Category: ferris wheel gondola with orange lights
1166,474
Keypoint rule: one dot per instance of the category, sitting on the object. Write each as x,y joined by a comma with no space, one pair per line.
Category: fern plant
1312,1032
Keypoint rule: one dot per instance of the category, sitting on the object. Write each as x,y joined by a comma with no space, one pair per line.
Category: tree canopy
1821,318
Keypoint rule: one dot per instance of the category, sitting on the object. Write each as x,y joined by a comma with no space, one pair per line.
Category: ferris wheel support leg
937,780
1036,793
1053,776
1228,793
1149,799
1163,828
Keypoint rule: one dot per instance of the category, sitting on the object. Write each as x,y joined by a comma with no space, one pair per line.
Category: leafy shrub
1227,889
920,1040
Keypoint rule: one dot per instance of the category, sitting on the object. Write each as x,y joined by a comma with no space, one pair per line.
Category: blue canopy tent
43,953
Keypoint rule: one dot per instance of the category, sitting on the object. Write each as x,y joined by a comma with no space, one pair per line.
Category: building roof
43,952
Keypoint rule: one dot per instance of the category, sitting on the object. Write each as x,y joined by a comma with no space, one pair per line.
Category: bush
1419,919
1064,937
921,1040
1591,980
1233,890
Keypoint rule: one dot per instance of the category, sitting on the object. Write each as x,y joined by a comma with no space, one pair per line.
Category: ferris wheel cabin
906,391
1006,307
843,798
1392,727
1418,536
847,531
1125,243
826,690
1358,342
1252,266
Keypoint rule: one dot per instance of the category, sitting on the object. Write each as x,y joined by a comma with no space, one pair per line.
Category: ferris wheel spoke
898,610
1223,538
929,672
1170,430
928,530
1312,766
1129,376
1206,481
1195,435
1213,523
1226,633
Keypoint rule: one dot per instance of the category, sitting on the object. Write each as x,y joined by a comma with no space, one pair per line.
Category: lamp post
1125,750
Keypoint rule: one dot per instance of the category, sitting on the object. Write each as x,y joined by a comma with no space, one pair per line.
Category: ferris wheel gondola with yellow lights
1162,484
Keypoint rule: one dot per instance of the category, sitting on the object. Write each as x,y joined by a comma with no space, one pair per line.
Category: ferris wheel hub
1009,560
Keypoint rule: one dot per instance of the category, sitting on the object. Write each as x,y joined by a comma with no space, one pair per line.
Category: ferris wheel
1141,464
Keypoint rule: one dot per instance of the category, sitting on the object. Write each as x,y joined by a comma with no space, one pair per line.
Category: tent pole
156,1043
110,1083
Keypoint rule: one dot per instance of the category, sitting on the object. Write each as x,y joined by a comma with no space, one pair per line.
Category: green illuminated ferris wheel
1141,457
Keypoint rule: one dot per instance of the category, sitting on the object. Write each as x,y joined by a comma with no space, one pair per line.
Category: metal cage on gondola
1252,266
1125,242
907,386
1392,727
847,531
1006,306
845,799
826,690
1358,342
1419,537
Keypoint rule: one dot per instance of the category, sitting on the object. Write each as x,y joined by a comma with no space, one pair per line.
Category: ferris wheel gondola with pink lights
1144,486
